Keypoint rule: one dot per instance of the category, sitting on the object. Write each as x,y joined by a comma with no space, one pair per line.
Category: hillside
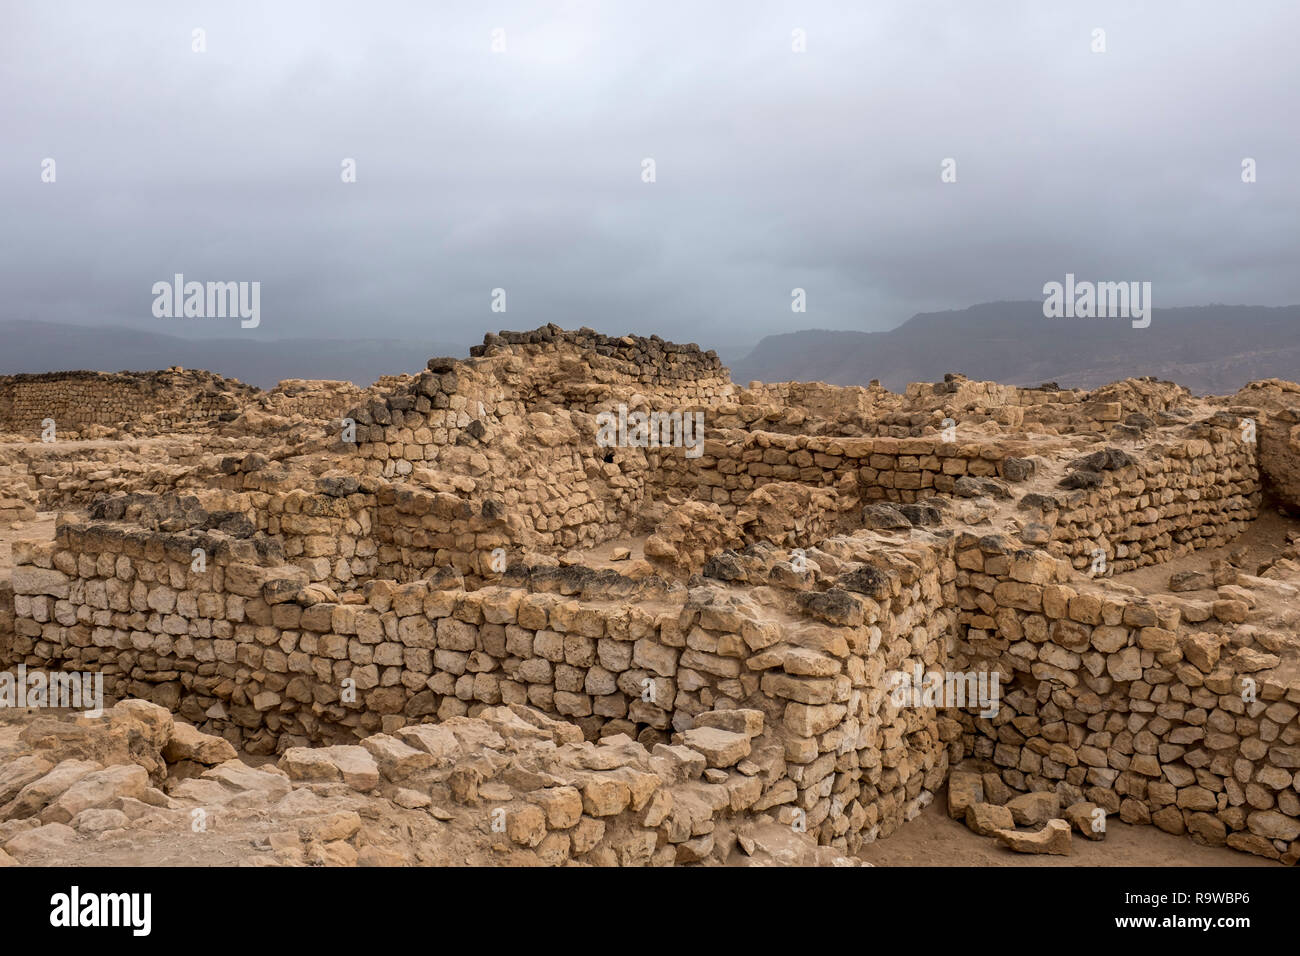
1210,349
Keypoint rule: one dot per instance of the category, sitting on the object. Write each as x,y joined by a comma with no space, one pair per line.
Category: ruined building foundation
301,570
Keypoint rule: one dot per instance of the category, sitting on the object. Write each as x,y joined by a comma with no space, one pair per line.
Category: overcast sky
522,169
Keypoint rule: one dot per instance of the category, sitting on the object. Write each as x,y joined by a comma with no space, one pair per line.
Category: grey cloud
775,170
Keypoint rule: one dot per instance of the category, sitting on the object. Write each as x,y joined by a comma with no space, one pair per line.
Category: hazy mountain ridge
1209,349
33,346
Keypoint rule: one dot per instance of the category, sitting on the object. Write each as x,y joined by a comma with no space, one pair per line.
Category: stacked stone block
250,648
877,469
1175,498
77,399
1155,711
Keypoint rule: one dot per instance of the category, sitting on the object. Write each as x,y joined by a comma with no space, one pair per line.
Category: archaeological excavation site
583,600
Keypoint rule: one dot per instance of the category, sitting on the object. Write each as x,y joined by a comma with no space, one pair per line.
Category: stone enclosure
317,565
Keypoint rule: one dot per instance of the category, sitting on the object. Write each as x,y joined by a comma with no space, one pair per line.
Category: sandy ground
599,555
934,839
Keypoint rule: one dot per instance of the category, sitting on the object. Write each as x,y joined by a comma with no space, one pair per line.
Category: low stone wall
1159,711
1176,498
329,536
418,530
17,499
69,475
879,469
312,398
248,647
77,399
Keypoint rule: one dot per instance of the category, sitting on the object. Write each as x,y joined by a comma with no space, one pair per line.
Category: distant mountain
1211,349
50,347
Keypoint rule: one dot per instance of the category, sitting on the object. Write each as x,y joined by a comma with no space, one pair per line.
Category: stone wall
1274,406
311,398
1175,498
17,499
468,403
878,469
1155,710
77,399
541,364
70,475
249,648
515,456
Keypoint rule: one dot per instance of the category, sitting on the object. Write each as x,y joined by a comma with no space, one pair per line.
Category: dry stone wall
1175,498
76,399
1158,711
69,475
516,456
677,374
311,398
18,501
350,588
249,648
877,469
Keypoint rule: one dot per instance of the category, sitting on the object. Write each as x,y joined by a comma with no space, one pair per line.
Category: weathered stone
1053,839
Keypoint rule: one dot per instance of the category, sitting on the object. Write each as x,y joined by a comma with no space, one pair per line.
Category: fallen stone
187,742
721,748
988,818
1034,809
1088,818
1053,839
964,789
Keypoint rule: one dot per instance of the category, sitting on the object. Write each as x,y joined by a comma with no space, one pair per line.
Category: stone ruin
448,595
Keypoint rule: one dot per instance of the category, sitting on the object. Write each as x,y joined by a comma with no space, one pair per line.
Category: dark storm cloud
522,170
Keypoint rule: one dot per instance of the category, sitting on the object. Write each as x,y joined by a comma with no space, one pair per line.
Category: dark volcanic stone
1081,479
233,523
921,515
338,486
1017,469
1036,502
725,566
1108,459
882,517
835,606
867,580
